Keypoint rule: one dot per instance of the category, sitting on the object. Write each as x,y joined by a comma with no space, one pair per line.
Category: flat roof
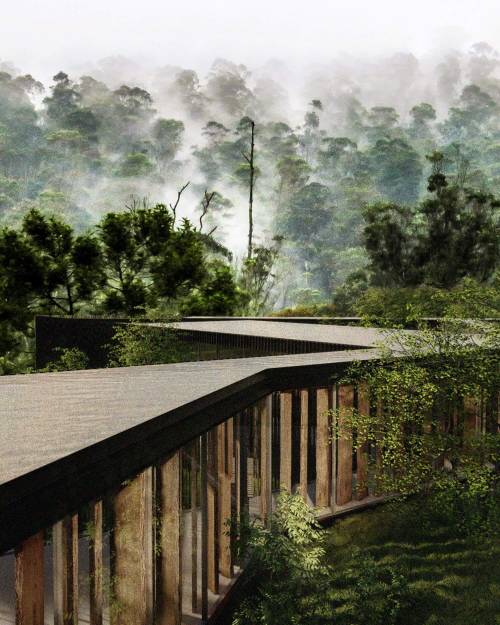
354,336
48,416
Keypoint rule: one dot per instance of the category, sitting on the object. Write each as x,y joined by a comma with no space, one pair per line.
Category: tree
227,86
251,165
148,258
397,169
382,120
187,85
293,173
64,99
218,293
422,115
167,134
135,165
450,235
471,117
257,276
390,241
65,270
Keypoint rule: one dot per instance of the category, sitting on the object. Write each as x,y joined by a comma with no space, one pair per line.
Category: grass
452,580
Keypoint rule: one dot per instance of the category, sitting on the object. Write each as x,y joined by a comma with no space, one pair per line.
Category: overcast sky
47,35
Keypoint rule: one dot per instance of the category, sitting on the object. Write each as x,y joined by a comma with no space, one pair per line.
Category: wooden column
344,447
225,467
169,591
323,449
212,514
133,552
204,525
243,445
194,525
304,439
362,449
265,412
65,571
237,462
286,441
333,396
29,581
95,565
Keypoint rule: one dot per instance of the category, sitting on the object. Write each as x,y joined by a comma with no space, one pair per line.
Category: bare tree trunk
250,202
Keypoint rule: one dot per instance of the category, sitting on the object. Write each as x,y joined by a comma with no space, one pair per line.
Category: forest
368,187
156,168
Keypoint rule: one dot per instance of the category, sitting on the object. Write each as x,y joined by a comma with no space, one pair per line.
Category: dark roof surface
48,416
318,333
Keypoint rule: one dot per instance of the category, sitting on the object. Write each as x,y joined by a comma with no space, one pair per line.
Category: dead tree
174,207
205,203
250,161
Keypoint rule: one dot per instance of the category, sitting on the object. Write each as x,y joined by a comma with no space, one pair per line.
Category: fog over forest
334,131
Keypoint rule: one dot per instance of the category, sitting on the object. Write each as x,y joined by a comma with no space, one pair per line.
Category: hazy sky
47,35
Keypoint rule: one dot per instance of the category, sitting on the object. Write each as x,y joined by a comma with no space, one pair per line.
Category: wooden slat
95,565
286,441
333,397
344,447
204,526
304,440
194,525
169,597
323,450
243,443
65,571
225,434
237,461
29,581
133,552
265,412
362,449
212,514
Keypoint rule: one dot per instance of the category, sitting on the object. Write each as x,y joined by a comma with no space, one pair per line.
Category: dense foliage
134,261
344,167
434,420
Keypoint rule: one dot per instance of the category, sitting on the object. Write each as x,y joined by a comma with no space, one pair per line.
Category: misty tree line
386,185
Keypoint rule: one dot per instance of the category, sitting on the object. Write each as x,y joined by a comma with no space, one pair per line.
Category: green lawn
452,580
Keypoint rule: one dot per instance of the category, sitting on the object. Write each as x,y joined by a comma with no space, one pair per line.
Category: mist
219,63
46,35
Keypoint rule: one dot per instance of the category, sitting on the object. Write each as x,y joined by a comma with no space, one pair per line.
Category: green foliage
135,344
289,556
295,583
69,359
451,579
133,261
399,307
148,258
135,165
452,235
87,148
397,170
218,294
257,276
367,593
423,423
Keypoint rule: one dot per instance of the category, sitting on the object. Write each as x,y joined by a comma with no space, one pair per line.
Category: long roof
68,437
353,336
47,416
